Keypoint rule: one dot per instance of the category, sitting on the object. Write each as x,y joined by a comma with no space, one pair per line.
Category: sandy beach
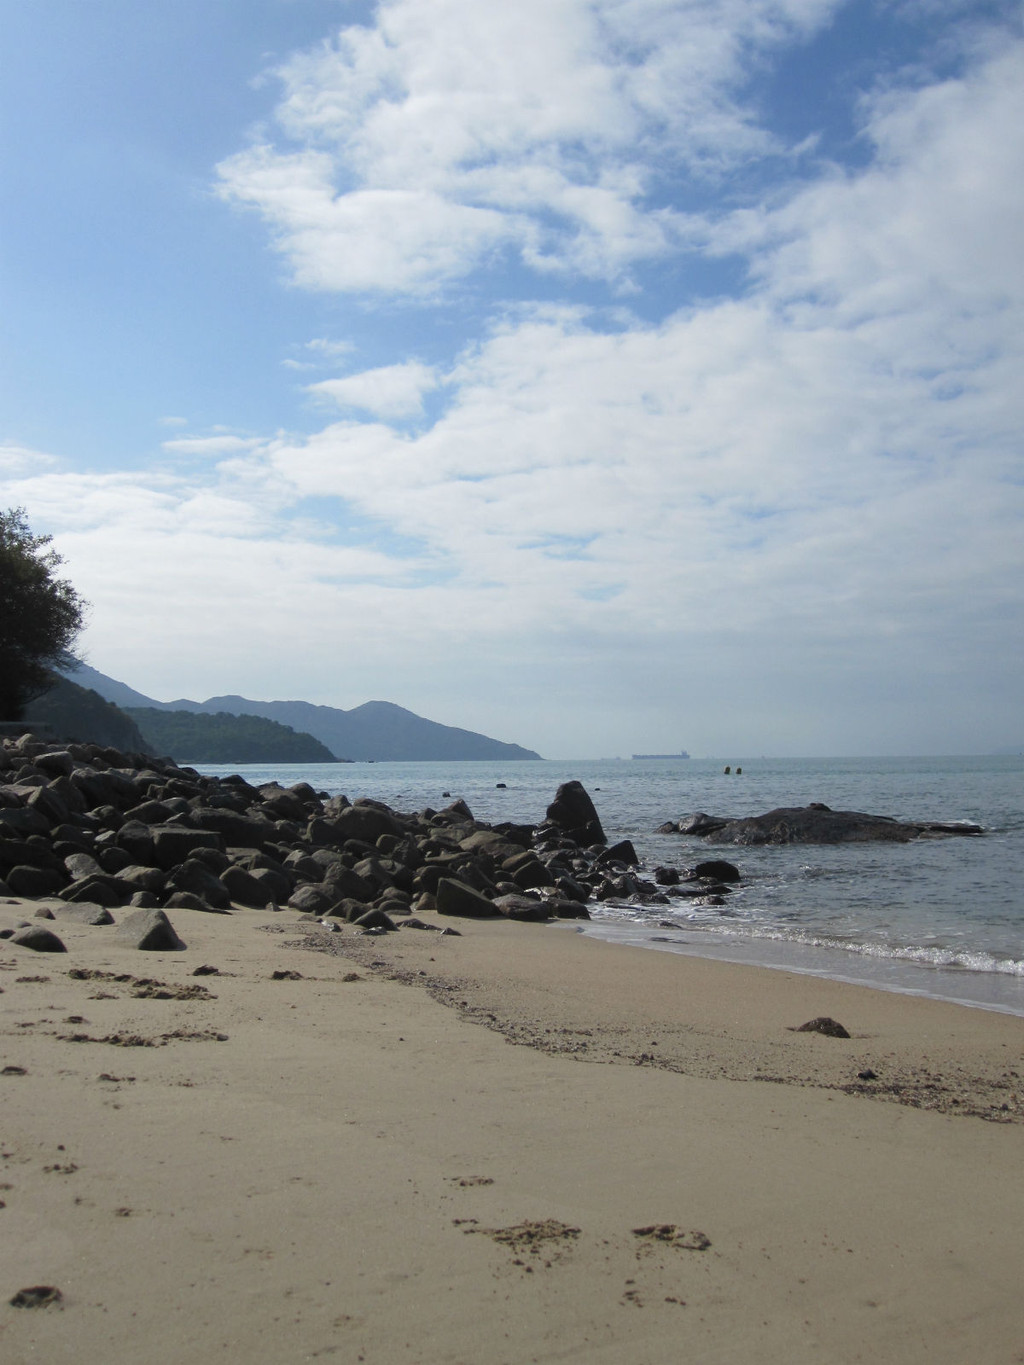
512,1144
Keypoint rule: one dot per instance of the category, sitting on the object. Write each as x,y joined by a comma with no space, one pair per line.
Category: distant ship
681,754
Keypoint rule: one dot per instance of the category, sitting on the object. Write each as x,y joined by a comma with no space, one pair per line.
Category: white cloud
450,131
209,445
17,459
390,391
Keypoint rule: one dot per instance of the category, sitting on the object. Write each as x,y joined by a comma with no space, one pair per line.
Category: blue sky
604,375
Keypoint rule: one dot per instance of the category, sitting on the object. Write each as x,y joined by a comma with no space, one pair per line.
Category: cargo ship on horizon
681,754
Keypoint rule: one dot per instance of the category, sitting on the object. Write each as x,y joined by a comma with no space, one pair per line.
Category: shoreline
969,987
314,1158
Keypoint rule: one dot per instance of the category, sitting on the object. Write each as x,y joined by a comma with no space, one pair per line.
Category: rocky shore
87,830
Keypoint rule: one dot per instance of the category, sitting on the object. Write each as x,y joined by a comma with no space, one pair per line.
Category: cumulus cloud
209,445
390,391
445,134
18,459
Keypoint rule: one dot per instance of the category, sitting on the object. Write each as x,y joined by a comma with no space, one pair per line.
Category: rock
456,898
84,913
245,889
716,869
32,882
38,1296
817,824
82,865
150,931
375,919
311,899
564,908
180,900
100,890
366,822
143,878
523,908
194,876
530,873
343,881
172,844
573,812
39,939
829,1027
622,852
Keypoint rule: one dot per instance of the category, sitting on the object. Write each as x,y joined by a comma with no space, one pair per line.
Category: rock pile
87,830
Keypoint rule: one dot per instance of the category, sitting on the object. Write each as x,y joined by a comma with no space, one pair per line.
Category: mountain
83,715
376,731
197,737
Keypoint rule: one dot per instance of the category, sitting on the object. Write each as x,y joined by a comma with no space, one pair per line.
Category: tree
40,614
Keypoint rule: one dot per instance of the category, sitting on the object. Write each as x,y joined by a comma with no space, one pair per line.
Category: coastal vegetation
41,614
195,737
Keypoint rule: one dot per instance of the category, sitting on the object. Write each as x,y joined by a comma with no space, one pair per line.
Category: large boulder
365,822
574,814
37,938
194,876
816,824
456,898
172,844
150,931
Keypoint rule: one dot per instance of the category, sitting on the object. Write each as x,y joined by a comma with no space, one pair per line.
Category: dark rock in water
816,824
717,869
622,852
150,931
456,898
575,815
564,908
698,824
829,1027
37,938
666,876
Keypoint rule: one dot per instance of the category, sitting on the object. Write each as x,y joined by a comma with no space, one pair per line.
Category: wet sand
510,1145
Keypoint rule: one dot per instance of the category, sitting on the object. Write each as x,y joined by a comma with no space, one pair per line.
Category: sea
940,917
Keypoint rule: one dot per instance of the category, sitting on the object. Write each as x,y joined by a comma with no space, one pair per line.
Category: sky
607,376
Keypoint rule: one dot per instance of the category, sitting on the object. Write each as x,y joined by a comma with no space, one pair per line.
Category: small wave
937,956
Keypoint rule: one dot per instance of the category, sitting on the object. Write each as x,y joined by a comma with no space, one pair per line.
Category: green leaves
41,614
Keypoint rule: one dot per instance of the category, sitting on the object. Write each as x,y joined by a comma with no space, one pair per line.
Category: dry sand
343,1164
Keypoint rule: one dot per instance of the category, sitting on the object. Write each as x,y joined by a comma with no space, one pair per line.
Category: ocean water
939,917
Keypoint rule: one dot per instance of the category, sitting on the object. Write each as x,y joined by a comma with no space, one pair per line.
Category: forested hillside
195,737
